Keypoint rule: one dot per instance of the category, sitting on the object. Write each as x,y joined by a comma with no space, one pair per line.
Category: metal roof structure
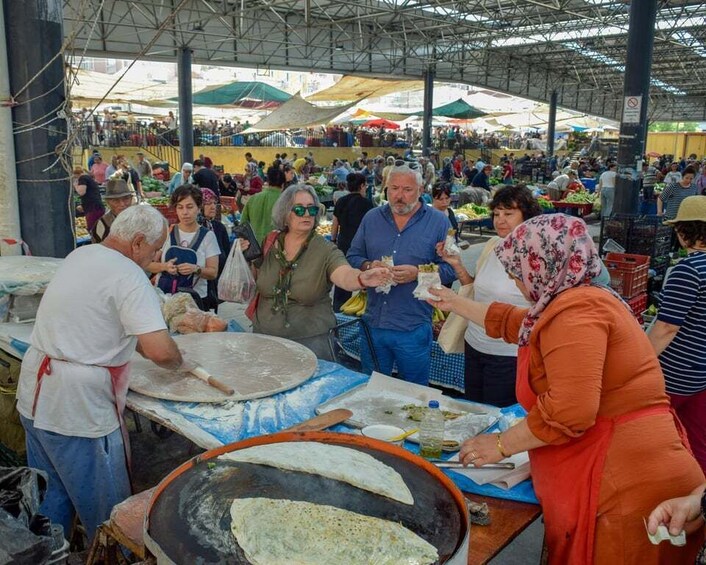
523,47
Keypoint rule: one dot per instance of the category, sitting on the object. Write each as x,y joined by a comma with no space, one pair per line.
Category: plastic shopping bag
236,283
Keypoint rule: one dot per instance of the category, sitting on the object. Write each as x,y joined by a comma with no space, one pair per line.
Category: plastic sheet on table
25,275
234,421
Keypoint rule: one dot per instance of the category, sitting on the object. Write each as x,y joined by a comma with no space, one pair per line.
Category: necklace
282,289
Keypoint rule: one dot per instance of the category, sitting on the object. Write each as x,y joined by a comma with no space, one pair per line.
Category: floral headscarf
208,196
549,254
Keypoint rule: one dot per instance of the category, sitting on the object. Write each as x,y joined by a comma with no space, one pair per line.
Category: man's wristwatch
198,271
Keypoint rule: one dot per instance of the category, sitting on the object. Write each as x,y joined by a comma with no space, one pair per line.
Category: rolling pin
322,421
206,377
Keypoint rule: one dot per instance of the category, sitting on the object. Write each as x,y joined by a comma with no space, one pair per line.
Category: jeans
409,350
86,475
607,199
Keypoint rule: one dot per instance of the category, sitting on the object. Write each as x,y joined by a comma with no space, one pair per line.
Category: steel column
551,126
34,36
186,114
633,127
428,107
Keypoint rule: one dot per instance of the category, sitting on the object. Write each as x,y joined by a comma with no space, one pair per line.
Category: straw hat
116,188
691,209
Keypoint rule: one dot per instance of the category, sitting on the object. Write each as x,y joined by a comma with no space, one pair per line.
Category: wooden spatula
322,421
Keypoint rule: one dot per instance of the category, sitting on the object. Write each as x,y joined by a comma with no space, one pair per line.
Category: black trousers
489,379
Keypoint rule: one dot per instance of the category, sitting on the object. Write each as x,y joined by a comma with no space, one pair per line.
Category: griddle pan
188,518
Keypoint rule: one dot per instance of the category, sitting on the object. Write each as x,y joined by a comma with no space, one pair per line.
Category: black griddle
189,519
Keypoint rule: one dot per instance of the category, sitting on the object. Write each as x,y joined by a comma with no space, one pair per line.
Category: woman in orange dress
604,447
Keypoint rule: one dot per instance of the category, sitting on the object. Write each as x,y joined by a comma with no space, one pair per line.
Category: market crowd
615,424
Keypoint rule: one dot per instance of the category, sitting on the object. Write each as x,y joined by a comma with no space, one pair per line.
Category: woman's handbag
451,336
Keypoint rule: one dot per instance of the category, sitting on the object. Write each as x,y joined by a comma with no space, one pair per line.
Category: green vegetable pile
161,201
545,204
579,198
151,184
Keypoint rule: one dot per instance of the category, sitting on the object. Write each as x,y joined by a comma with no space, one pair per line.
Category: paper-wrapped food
184,317
427,277
385,288
450,246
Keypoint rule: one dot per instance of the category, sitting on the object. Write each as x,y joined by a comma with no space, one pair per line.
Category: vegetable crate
628,273
168,212
639,235
638,304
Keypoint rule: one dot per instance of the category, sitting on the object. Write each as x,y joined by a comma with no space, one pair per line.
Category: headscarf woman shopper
296,275
595,397
209,210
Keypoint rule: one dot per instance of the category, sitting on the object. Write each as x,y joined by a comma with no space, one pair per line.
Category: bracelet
360,282
499,444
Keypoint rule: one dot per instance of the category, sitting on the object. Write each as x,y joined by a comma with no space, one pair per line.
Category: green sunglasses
300,210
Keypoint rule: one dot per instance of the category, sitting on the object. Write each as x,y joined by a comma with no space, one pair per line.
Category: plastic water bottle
431,431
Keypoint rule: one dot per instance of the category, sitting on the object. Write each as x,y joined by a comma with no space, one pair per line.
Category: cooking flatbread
332,461
288,532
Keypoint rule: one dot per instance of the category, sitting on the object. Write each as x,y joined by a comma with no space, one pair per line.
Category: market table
569,207
478,223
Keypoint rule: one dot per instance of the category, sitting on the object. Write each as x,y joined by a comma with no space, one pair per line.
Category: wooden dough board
254,365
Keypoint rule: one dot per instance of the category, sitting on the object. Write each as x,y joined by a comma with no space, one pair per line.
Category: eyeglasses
300,210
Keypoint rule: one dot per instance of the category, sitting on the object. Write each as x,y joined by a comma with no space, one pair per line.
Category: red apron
119,380
567,478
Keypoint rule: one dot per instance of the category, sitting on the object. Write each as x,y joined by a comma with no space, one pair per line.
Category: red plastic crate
638,304
628,273
168,212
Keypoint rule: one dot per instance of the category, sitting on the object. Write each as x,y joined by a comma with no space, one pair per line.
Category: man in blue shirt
408,231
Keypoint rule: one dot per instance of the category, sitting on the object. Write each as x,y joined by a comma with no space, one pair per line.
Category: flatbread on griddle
287,532
332,461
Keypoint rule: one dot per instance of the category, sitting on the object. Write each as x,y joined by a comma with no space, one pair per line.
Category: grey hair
283,205
139,219
406,170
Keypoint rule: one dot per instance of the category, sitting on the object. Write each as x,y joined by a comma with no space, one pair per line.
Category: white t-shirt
88,319
607,179
672,177
492,284
208,248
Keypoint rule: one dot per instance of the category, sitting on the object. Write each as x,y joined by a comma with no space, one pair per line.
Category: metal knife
458,465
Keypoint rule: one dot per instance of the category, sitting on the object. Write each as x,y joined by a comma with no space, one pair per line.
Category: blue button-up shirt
378,236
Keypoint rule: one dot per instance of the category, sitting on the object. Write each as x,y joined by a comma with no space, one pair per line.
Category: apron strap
44,369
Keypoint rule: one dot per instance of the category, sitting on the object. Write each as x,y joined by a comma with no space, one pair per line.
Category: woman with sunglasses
296,274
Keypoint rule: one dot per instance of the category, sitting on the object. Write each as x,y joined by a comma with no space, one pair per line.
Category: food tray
381,399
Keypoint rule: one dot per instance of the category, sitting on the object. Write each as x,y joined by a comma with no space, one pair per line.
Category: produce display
580,197
545,203
80,226
355,305
343,464
472,212
161,201
151,184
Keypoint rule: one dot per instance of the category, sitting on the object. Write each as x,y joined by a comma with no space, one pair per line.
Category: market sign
631,109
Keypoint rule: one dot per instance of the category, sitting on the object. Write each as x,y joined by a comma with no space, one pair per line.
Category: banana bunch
355,305
437,315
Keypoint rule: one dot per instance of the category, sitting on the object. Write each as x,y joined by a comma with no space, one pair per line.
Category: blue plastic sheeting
234,421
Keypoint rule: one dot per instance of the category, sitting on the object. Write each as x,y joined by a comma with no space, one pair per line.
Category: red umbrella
381,122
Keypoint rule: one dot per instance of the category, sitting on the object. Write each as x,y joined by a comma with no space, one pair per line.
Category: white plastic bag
236,283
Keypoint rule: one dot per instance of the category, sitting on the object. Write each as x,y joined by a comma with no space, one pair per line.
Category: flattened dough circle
254,365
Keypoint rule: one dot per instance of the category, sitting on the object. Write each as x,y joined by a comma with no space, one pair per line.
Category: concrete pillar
551,126
9,203
428,107
44,189
186,115
633,126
